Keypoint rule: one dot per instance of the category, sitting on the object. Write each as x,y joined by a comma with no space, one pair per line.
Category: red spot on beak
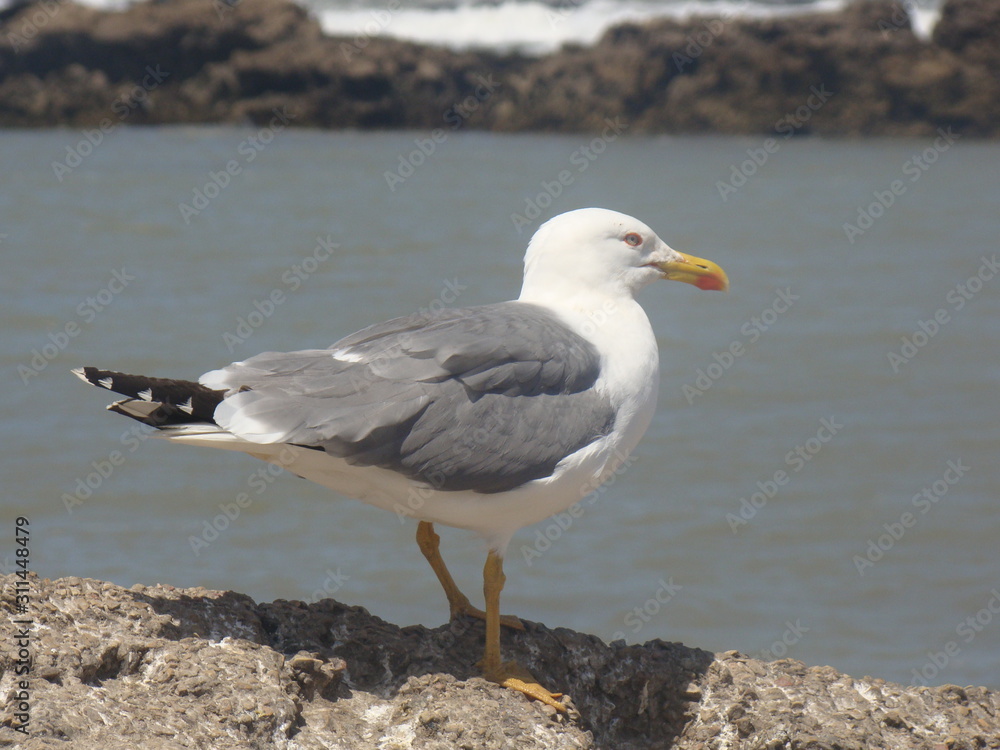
710,283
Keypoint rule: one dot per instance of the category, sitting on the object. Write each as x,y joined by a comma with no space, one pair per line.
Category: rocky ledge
164,668
860,71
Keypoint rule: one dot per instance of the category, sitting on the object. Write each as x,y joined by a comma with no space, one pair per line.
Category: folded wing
483,398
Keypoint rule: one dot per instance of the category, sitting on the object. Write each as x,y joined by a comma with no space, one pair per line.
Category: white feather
346,355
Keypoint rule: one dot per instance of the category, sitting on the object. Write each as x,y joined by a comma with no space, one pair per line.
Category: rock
970,28
160,667
859,71
968,35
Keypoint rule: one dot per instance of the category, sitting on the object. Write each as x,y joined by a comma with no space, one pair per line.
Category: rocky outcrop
164,668
856,72
185,61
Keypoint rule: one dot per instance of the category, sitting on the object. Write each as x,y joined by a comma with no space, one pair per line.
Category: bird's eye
634,239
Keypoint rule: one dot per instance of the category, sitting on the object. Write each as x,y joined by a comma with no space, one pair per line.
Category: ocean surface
539,26
820,481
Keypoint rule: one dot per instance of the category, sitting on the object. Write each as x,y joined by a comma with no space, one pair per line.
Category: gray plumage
482,398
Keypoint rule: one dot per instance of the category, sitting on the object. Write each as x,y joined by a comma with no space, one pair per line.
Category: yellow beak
702,273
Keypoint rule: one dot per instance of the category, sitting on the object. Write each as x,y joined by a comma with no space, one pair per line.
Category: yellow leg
458,603
509,675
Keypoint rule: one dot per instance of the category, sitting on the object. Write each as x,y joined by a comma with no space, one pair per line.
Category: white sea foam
924,20
536,27
99,4
106,4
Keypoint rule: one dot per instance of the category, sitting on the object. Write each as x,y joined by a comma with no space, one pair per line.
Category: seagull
487,418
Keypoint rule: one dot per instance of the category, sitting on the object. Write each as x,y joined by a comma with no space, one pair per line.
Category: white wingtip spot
186,406
346,355
134,408
146,395
78,371
105,383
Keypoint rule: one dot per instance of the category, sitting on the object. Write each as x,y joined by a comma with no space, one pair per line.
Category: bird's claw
513,676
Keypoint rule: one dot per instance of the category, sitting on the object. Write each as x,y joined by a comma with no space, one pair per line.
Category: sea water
820,480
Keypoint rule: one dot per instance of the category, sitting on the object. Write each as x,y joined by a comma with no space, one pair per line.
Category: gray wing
483,398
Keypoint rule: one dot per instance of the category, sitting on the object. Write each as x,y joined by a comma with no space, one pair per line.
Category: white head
597,250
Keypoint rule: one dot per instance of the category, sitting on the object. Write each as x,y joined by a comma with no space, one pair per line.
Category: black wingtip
170,401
